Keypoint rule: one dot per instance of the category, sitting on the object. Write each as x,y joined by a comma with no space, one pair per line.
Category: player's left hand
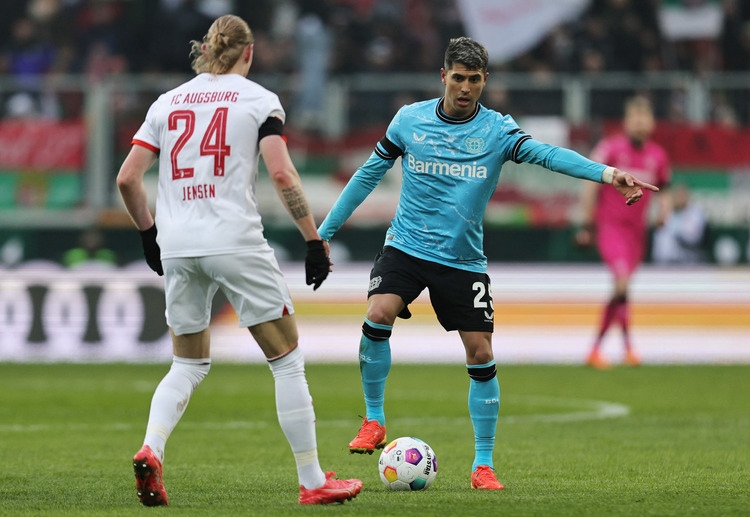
151,250
584,237
317,263
630,186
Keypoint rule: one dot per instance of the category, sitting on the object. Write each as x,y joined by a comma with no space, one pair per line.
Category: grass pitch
656,440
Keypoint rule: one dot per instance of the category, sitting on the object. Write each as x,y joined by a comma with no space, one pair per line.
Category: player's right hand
151,250
317,263
630,186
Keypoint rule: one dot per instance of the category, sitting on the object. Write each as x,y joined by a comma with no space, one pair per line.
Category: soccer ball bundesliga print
407,463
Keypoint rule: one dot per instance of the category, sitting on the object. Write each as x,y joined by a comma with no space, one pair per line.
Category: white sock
297,416
171,398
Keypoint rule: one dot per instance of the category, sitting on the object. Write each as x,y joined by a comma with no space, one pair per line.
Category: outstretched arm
571,163
359,187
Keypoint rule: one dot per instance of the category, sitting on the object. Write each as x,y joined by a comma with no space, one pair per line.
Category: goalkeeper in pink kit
620,231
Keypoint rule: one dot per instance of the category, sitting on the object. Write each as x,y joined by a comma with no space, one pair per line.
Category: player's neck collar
442,115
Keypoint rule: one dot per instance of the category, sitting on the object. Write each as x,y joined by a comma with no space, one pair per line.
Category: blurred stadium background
77,76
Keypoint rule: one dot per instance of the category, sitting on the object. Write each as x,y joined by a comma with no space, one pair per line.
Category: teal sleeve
559,159
359,187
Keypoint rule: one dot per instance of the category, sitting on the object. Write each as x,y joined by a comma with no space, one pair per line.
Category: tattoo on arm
295,200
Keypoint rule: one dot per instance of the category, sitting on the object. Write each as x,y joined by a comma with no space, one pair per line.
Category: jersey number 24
213,143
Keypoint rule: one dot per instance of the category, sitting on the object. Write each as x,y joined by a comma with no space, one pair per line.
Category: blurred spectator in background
620,230
28,55
176,22
101,39
735,37
314,47
90,251
54,23
612,36
378,35
11,252
682,238
27,58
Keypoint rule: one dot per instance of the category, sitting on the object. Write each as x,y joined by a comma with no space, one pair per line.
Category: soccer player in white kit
207,134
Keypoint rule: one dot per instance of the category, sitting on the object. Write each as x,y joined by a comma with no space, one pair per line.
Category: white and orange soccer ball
407,463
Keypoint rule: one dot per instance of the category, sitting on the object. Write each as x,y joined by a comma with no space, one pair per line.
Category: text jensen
202,191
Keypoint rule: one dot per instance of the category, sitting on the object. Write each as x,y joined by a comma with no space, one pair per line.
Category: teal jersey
450,168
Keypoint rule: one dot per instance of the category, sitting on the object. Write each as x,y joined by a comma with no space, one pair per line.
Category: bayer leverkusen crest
474,145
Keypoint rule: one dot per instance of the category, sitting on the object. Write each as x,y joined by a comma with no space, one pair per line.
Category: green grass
657,440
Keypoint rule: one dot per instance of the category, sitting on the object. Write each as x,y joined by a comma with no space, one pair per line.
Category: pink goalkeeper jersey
648,163
206,134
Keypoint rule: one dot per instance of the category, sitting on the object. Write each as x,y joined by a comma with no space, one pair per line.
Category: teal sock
484,405
374,365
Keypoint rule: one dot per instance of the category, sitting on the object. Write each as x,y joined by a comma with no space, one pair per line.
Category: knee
481,357
478,348
382,314
378,314
195,370
621,285
382,309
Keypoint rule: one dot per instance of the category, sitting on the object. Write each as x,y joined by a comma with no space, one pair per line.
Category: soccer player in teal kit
452,150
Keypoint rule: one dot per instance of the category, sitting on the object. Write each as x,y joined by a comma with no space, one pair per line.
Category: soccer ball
407,463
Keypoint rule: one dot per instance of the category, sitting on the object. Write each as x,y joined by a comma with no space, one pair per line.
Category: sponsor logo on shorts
375,283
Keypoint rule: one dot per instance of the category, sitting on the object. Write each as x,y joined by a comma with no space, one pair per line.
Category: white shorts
252,282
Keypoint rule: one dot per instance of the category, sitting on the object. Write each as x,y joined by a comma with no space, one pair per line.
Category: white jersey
206,134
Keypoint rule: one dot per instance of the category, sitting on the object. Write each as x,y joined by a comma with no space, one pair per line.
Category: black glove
151,250
316,264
